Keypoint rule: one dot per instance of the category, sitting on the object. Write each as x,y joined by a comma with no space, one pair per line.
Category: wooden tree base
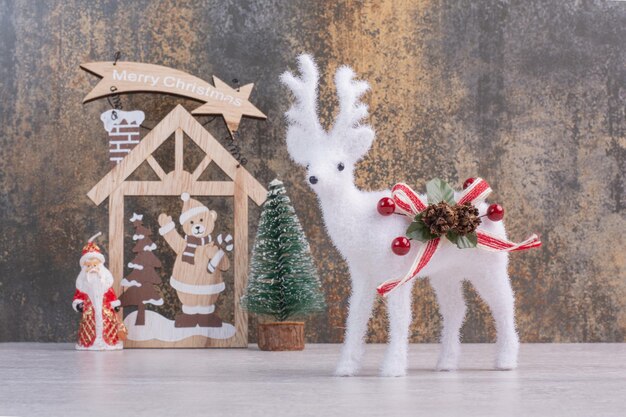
286,335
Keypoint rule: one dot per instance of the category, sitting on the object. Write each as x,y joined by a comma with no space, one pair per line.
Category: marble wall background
530,95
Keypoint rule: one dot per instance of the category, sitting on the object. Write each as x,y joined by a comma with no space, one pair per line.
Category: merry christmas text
175,83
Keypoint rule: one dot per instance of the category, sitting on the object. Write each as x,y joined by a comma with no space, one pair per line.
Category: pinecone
440,218
467,219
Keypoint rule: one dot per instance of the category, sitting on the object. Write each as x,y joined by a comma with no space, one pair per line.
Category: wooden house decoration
116,185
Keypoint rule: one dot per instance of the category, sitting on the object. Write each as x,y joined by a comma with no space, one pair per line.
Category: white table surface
552,380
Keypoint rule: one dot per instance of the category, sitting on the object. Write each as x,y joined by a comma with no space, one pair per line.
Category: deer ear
358,142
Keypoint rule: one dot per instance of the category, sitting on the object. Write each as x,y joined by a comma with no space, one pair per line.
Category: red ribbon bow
409,203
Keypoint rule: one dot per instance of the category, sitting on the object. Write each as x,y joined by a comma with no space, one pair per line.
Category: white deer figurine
363,237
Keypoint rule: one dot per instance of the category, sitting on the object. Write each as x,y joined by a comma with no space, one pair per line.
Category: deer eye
201,220
307,166
192,222
340,167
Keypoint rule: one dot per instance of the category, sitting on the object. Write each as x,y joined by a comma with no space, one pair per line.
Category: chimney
124,132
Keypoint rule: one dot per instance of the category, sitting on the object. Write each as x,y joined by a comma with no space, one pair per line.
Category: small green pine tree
283,280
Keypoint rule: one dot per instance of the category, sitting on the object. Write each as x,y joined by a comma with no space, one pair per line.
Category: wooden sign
134,77
202,256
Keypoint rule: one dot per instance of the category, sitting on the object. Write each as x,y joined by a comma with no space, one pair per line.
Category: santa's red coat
87,329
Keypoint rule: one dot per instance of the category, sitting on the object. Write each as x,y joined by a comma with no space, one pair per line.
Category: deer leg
399,312
360,308
449,293
495,289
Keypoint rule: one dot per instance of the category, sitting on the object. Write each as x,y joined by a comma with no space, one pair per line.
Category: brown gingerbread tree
140,286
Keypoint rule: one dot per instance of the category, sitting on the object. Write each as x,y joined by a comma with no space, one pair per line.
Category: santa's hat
191,207
91,250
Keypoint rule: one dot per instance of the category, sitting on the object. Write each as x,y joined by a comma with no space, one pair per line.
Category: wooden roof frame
115,187
177,121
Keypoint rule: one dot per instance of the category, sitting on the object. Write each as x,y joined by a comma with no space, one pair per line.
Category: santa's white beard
95,283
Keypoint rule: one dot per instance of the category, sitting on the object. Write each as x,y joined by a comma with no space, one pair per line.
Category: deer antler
351,111
302,116
355,137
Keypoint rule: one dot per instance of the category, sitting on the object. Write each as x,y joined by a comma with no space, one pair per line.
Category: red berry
386,206
495,212
401,246
468,182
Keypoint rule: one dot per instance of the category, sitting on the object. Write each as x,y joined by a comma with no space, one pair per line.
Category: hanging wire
114,100
231,141
234,148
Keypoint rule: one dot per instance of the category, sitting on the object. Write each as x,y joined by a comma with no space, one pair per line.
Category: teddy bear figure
197,272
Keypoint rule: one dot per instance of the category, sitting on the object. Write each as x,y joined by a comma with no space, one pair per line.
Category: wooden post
241,256
178,152
116,237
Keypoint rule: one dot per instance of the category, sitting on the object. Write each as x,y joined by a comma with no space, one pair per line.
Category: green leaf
463,242
419,231
452,236
438,191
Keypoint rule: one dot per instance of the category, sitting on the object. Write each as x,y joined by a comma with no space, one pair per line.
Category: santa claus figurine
100,328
